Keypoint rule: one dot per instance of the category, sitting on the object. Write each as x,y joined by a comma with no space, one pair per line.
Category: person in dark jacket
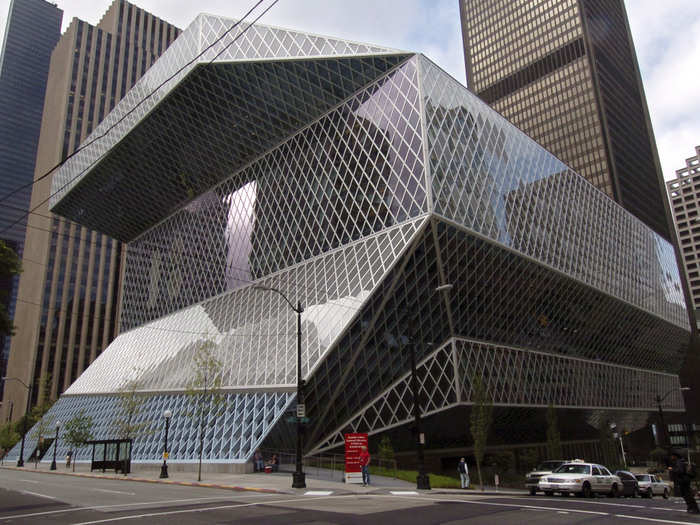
463,473
678,468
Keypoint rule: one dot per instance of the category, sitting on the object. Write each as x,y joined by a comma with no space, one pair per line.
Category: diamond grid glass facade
359,211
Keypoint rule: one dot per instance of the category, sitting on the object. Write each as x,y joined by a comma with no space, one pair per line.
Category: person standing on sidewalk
463,473
681,474
364,463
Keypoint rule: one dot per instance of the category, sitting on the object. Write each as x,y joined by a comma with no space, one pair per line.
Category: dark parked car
629,483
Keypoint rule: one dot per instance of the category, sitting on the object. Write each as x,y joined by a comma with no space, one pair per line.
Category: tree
78,431
480,422
126,423
386,451
42,428
207,400
8,437
10,266
553,438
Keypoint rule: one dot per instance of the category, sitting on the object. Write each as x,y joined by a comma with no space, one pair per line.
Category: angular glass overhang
215,121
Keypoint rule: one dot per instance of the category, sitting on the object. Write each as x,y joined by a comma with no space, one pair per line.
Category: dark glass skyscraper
33,28
566,73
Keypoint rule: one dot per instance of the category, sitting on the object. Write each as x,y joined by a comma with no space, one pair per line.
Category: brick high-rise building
566,73
33,28
67,309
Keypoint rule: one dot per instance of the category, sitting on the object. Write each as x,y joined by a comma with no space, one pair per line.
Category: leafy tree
10,266
78,431
386,450
126,423
207,400
8,437
608,446
480,422
42,428
554,450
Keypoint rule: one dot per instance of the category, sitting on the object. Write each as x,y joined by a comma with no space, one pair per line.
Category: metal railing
325,466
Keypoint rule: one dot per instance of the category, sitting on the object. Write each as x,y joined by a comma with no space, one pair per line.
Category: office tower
69,290
359,182
566,73
33,28
684,196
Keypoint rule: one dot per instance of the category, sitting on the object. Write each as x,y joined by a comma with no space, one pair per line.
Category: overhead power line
144,99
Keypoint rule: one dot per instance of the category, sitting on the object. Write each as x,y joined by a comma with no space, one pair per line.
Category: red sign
353,447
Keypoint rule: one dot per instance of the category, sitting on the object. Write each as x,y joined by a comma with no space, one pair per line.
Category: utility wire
102,135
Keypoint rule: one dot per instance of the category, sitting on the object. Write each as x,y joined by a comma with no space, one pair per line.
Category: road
35,498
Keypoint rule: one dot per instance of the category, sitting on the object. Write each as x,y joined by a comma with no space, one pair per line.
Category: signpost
353,447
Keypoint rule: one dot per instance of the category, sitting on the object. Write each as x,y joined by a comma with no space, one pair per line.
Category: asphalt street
34,498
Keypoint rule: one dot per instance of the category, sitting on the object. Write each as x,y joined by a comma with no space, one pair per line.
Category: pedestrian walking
463,473
69,456
364,463
258,463
683,474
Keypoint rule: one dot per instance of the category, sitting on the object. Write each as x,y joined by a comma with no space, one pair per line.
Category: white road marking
318,493
655,519
206,509
404,492
562,512
494,504
37,494
576,511
588,502
29,481
100,507
116,492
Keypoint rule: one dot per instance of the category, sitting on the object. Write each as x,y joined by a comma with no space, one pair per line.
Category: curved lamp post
659,400
55,445
20,461
298,478
164,469
422,480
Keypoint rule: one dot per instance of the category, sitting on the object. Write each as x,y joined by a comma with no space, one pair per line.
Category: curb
150,480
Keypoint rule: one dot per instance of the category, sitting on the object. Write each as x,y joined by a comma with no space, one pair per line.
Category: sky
665,35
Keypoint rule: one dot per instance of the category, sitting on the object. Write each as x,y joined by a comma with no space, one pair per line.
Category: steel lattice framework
356,180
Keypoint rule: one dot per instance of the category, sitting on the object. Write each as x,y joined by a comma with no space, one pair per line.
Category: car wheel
665,493
635,492
614,492
565,494
586,491
650,493
548,493
533,492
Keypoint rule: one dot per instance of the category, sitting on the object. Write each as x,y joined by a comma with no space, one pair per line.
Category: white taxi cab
582,479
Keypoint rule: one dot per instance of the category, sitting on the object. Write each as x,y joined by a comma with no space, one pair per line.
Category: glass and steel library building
358,181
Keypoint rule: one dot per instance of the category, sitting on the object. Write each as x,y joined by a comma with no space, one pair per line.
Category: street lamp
167,414
55,445
659,400
298,478
20,461
423,480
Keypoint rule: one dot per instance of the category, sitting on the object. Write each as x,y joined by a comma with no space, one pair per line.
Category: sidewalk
276,483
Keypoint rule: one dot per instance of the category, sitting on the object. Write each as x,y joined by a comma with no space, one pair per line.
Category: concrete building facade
684,196
69,291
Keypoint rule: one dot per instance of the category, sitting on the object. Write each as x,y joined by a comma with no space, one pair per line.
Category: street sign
353,447
301,410
294,419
